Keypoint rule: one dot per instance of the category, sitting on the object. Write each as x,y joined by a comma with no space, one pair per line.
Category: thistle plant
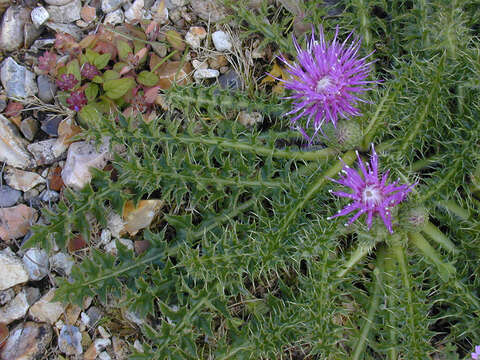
244,262
326,82
371,194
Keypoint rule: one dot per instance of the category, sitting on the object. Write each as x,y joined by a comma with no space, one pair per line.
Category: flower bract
476,354
370,192
77,100
326,81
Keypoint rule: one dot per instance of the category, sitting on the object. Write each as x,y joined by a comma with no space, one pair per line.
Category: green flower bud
347,135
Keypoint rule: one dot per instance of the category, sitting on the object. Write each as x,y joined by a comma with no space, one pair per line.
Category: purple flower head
47,61
77,100
327,81
89,71
370,194
67,82
476,354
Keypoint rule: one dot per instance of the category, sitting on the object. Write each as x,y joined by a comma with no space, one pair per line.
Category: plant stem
375,300
440,238
348,159
357,255
452,206
244,146
374,123
390,276
445,270
423,163
402,263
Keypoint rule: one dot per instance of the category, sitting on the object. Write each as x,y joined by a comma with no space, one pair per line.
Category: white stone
13,270
48,151
17,80
70,340
15,309
138,346
205,74
111,247
194,36
160,17
135,12
66,13
13,149
44,310
221,41
85,318
197,64
62,263
81,157
105,236
36,263
13,26
103,333
113,18
109,6
22,180
58,2
39,16
104,356
101,344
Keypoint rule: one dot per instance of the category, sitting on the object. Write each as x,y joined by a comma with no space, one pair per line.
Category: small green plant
247,260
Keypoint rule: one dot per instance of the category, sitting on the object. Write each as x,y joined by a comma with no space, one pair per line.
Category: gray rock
94,314
49,196
13,150
29,127
58,2
3,103
172,4
111,5
221,40
42,44
205,74
46,310
27,341
13,270
39,16
36,263
17,80
22,180
6,296
50,125
230,80
8,196
11,35
66,13
209,10
15,309
30,34
81,157
62,263
115,17
70,29
104,355
47,152
46,88
70,340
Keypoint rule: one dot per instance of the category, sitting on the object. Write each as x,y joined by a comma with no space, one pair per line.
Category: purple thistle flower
67,82
476,354
326,81
77,100
370,194
89,71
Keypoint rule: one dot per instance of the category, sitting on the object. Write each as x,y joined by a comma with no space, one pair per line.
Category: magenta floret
371,194
89,71
326,81
476,354
67,82
77,100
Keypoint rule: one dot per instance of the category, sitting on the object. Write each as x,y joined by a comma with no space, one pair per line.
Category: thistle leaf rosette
326,81
371,194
